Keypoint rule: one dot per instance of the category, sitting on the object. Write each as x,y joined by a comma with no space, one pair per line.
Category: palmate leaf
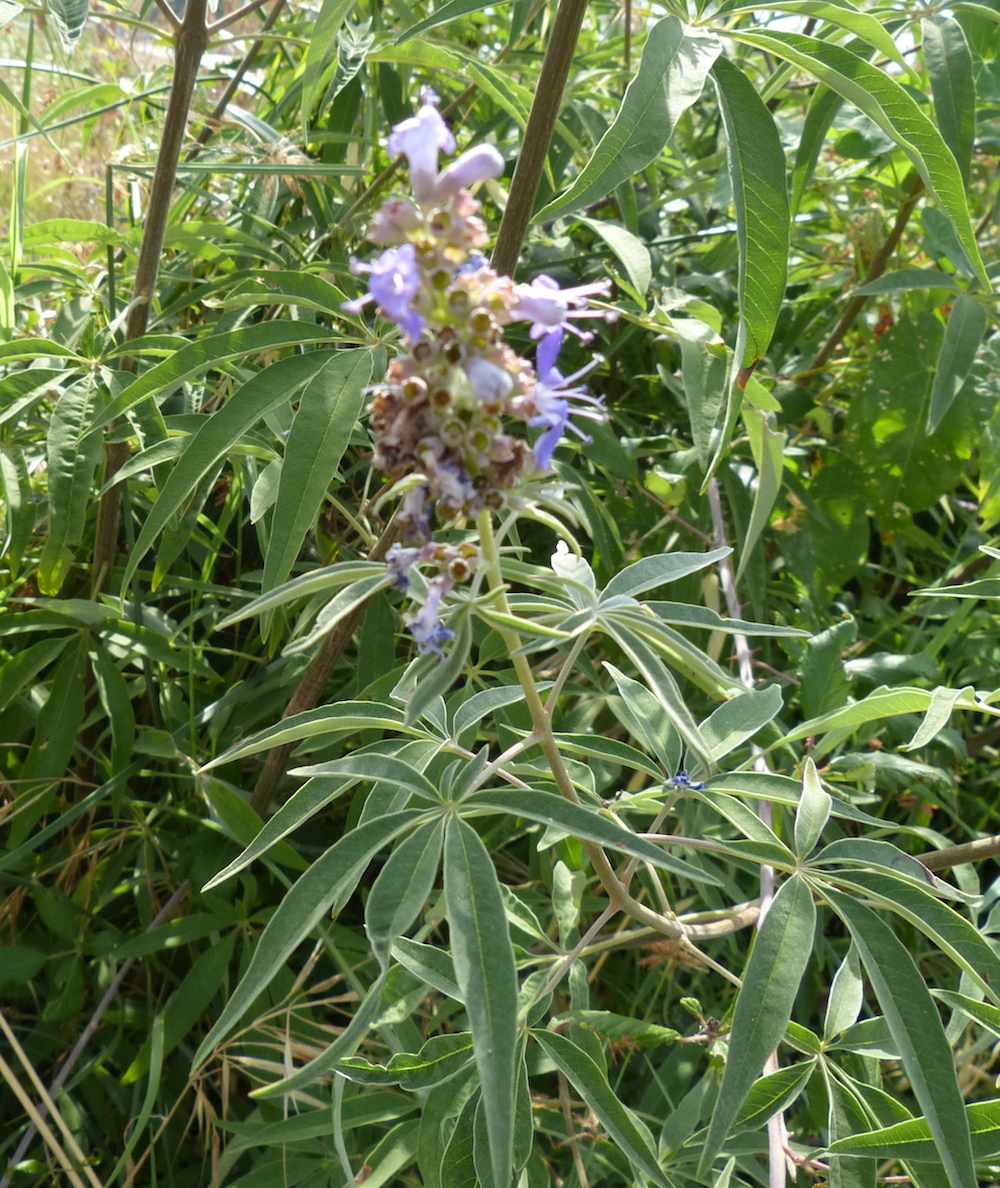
917,1032
300,911
891,107
764,1005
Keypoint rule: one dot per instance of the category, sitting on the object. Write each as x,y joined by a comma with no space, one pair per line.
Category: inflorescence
441,419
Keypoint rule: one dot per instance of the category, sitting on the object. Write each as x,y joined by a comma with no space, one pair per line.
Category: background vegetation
165,462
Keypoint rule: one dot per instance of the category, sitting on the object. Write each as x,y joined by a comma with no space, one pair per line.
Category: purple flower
394,281
398,563
424,626
476,165
490,383
550,308
420,139
554,397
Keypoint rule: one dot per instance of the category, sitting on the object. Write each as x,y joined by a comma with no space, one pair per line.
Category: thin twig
172,19
39,1122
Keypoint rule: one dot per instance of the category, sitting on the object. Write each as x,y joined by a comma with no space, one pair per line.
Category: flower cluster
444,415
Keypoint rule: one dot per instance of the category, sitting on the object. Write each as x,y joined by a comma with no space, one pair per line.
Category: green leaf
402,888
591,1083
659,570
141,1120
207,354
449,11
771,1093
187,1003
906,280
432,677
585,823
764,1004
343,717
917,1031
117,704
985,1014
914,1139
17,673
615,1027
631,251
339,608
268,389
675,62
760,195
431,965
892,108
371,766
953,934
321,54
440,1058
838,12
304,803
768,447
939,711
316,581
74,450
735,721
847,995
966,327
303,907
949,65
813,812
484,968
645,719
69,18
328,410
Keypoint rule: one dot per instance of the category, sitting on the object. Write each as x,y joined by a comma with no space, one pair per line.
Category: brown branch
239,14
913,188
190,44
314,681
538,133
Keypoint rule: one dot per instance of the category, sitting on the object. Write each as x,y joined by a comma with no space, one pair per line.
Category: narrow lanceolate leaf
591,1083
630,250
942,706
757,172
328,410
208,354
17,673
813,812
300,911
321,54
274,385
768,446
659,570
384,768
74,450
484,967
772,1093
892,108
69,17
949,65
738,720
764,1005
671,75
912,1140
963,334
953,934
820,114
917,1032
584,823
861,24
